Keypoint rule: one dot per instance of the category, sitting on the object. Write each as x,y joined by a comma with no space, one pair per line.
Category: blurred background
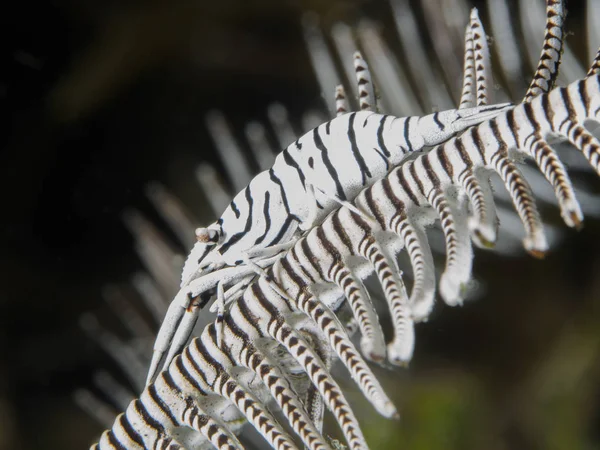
98,99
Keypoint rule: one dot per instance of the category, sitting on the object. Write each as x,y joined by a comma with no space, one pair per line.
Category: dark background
99,97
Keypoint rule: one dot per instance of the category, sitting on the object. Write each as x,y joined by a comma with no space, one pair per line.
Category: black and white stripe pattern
330,165
185,394
476,72
336,159
547,69
326,166
282,307
476,194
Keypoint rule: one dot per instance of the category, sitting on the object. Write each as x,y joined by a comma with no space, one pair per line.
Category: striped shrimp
290,304
327,166
324,168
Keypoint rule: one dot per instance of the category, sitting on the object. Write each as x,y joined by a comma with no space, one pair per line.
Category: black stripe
477,140
430,172
566,98
187,353
374,207
583,95
328,165
380,141
278,182
290,161
385,160
238,236
201,348
327,245
497,135
264,302
362,224
437,121
531,116
547,109
133,435
512,125
288,221
161,404
188,376
292,274
364,169
341,231
462,151
236,330
235,209
267,216
207,249
406,188
443,159
112,439
144,414
248,316
389,192
305,272
169,381
413,173
310,256
495,107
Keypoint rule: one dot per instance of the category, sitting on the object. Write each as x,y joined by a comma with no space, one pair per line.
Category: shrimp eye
205,235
